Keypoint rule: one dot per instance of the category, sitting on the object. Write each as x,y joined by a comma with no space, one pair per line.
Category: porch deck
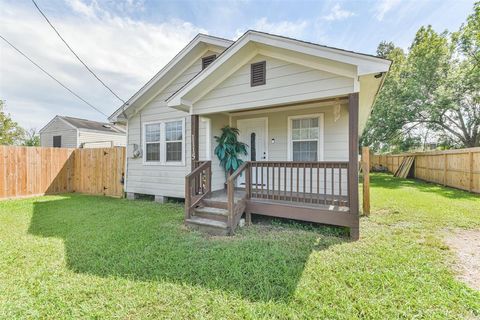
306,191
313,201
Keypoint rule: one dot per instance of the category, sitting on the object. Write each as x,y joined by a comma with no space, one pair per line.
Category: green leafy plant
229,149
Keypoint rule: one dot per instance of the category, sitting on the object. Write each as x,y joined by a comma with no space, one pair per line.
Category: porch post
353,163
194,123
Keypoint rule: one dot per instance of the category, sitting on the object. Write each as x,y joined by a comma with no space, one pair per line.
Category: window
258,73
206,61
164,142
305,138
57,141
152,142
174,138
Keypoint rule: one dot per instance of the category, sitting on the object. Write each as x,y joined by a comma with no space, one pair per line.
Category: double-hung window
152,142
164,142
305,138
173,139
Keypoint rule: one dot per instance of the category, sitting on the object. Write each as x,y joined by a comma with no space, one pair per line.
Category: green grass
76,256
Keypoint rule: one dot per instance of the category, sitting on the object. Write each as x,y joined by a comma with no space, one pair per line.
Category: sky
127,41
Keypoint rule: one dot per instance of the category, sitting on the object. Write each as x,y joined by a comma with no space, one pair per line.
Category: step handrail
236,209
198,184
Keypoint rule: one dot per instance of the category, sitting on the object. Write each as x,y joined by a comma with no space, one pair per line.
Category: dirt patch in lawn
466,245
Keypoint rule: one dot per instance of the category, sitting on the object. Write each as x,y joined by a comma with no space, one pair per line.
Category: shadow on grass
145,241
388,181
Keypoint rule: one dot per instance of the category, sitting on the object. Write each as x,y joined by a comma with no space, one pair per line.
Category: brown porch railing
237,199
324,182
198,184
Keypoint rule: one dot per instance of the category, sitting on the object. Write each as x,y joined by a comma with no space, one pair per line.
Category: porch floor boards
313,201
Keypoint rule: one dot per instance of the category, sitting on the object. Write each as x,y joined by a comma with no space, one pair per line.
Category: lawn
77,256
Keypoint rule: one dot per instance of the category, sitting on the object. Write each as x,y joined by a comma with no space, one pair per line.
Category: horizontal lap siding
165,180
115,140
59,128
284,82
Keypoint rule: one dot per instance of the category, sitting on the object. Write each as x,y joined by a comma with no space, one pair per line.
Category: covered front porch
272,181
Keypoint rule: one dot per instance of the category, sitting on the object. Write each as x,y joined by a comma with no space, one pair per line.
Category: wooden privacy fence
29,171
454,168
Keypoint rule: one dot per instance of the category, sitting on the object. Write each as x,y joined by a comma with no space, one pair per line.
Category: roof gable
337,61
84,124
285,83
182,61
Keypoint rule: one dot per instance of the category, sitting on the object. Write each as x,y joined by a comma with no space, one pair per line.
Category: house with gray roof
69,132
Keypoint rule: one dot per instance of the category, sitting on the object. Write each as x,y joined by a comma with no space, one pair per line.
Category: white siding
285,82
59,128
164,180
100,139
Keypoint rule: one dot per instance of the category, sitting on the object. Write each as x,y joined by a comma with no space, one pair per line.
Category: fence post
445,166
470,169
366,180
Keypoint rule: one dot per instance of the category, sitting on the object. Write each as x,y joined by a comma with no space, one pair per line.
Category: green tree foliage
10,131
434,88
229,149
31,138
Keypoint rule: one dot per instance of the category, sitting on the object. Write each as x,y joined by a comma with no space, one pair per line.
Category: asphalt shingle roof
93,125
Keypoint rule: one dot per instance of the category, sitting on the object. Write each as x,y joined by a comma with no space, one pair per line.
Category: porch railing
198,184
236,198
324,182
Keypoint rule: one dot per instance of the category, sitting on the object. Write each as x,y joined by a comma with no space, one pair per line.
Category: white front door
253,132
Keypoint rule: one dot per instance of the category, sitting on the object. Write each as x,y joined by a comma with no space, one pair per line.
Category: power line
51,76
76,56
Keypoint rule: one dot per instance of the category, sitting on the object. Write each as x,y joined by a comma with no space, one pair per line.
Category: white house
299,107
69,132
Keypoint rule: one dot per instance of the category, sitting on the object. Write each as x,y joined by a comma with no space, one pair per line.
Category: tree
31,138
435,87
10,131
229,149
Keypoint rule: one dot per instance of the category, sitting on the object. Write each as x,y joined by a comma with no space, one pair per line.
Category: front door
253,132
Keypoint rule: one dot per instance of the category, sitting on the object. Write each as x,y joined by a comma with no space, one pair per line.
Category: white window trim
163,144
321,129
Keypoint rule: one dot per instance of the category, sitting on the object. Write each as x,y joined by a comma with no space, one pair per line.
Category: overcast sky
127,41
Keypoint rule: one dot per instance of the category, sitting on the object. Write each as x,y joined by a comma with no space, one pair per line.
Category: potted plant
229,149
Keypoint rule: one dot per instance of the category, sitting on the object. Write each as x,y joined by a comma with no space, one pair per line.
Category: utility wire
76,56
51,76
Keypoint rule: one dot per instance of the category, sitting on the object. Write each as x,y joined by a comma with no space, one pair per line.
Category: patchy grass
75,256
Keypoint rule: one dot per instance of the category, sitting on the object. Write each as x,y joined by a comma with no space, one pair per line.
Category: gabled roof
170,70
78,123
363,63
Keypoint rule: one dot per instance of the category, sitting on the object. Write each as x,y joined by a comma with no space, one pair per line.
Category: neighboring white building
299,107
69,132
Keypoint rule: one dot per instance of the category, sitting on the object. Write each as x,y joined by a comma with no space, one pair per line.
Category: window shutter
206,61
258,74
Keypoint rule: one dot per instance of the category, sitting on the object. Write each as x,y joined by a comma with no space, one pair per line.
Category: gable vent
258,73
207,60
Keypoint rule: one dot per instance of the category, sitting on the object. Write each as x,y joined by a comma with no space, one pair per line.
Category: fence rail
454,168
30,171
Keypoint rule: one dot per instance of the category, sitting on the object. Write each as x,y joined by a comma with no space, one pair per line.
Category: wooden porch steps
213,213
210,226
215,203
